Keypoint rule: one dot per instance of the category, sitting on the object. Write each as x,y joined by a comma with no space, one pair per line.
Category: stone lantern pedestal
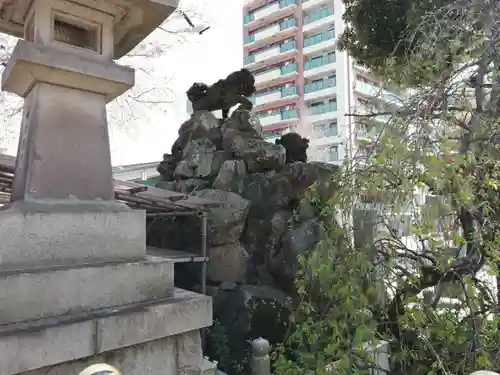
76,286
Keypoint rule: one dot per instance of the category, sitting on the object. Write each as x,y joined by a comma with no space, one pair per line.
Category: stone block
31,63
189,353
52,292
68,234
187,311
118,335
154,357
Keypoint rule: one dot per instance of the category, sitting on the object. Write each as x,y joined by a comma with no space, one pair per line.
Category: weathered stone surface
184,186
225,223
189,353
305,210
227,263
255,122
184,170
167,185
231,176
294,243
242,141
83,288
166,167
93,232
262,236
200,125
201,160
83,342
190,185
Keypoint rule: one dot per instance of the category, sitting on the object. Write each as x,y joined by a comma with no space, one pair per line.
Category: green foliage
425,296
382,33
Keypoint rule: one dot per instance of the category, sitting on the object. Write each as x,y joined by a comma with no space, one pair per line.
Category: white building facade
304,83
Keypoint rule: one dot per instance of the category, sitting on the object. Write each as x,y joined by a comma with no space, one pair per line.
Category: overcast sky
142,132
205,58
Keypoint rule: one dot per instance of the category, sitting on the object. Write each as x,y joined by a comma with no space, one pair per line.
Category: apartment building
304,83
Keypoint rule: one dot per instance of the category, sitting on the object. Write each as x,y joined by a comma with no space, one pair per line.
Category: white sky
144,132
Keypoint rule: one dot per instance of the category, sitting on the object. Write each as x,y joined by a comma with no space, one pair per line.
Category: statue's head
247,82
196,91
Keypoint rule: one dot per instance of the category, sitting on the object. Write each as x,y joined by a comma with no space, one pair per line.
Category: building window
326,130
332,153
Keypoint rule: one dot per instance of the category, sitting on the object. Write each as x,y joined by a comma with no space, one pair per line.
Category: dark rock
231,176
241,315
262,236
327,182
166,167
273,191
305,210
201,160
225,223
191,185
295,242
202,124
242,141
227,263
184,170
167,185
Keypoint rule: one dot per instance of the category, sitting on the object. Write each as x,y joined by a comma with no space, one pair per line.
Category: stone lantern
64,69
73,263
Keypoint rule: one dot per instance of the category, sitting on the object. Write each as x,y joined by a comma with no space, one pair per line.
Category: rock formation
254,239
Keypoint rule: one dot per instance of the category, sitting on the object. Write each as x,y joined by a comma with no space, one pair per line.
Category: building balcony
276,73
310,4
367,135
267,76
322,113
331,153
270,119
319,66
274,31
319,42
369,90
277,117
321,18
318,89
284,93
272,135
326,140
369,115
268,10
267,54
270,53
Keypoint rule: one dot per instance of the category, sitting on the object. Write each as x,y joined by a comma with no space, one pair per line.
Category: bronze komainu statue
295,147
223,94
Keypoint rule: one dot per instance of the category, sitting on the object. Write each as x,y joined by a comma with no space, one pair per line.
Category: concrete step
42,235
41,293
147,338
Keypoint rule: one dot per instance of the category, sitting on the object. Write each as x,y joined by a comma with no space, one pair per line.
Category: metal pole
204,252
203,235
169,214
